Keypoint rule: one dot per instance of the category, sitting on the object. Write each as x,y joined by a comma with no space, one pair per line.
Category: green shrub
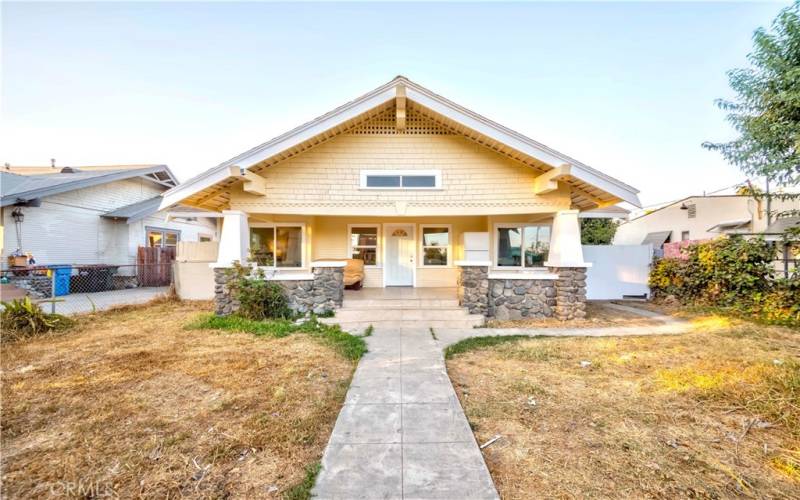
258,298
733,273
780,305
22,318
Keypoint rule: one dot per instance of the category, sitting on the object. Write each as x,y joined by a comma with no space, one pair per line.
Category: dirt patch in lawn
710,414
130,403
597,315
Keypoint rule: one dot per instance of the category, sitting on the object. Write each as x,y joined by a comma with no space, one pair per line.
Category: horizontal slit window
383,181
401,179
416,181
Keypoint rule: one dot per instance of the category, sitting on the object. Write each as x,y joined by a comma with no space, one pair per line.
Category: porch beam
400,108
253,183
548,181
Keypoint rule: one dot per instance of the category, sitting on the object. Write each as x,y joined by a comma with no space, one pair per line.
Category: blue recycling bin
61,276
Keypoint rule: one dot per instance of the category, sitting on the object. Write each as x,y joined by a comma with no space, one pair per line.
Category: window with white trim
435,244
521,245
364,240
401,179
158,237
277,245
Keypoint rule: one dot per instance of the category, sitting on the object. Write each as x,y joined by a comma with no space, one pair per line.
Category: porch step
382,304
358,327
404,314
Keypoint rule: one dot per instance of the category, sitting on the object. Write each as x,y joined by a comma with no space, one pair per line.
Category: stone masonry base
320,295
563,298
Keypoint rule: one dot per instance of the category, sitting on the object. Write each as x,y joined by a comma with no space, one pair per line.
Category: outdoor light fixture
684,207
17,215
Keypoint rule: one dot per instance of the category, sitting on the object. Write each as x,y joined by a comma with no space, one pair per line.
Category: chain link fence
75,289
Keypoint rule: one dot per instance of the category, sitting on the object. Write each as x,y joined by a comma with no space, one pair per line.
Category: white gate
617,270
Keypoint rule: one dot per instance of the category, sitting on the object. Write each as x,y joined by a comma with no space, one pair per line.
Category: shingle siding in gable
330,173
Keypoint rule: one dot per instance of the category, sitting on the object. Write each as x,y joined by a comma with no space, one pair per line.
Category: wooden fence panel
154,265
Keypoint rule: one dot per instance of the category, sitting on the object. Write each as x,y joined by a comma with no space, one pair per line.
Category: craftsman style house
425,192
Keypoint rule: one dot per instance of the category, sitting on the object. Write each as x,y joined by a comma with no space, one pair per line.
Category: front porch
513,266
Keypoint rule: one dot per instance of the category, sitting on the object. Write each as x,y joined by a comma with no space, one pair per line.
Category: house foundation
318,292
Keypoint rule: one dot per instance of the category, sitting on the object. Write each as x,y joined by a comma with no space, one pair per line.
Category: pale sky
627,88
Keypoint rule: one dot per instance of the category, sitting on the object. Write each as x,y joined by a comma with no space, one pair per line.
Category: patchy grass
350,346
368,331
476,343
302,490
130,403
713,414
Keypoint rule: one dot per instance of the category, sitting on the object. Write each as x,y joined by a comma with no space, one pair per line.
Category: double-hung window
157,237
401,179
435,245
278,245
521,245
364,243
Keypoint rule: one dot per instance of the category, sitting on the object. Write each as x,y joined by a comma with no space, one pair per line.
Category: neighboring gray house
91,215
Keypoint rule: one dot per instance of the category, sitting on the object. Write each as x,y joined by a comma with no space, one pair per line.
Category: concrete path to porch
402,432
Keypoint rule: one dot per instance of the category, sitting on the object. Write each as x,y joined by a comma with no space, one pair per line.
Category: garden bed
131,403
714,413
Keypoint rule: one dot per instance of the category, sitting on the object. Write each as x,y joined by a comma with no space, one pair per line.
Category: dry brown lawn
129,403
710,414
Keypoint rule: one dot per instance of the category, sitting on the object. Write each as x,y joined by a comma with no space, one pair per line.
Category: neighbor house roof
591,187
135,211
780,226
730,225
656,239
16,188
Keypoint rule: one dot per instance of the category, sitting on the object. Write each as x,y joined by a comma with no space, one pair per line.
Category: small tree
597,231
766,111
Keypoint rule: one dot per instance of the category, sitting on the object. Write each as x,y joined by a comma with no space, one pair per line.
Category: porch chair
354,274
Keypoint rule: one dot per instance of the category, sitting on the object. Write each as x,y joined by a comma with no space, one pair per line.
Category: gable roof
16,188
595,187
135,211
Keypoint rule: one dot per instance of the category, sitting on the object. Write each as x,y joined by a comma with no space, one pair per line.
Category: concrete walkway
401,432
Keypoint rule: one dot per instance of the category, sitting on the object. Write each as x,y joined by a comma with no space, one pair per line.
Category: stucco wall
710,211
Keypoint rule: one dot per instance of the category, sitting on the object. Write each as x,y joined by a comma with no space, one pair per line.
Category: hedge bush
258,298
732,273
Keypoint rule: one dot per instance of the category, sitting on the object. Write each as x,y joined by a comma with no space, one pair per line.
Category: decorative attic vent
692,211
385,123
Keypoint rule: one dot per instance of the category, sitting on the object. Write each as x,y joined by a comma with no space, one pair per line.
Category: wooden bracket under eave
548,181
252,182
400,108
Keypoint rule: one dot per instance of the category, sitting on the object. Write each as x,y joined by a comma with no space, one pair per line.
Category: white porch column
565,241
234,242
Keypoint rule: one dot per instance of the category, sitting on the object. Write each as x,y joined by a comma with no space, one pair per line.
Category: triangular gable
418,107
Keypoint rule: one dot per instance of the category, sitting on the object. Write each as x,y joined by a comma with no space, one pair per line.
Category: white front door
399,254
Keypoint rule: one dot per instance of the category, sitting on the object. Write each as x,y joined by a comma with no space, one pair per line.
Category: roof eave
426,98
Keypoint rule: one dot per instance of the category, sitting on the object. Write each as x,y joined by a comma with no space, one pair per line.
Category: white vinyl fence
617,270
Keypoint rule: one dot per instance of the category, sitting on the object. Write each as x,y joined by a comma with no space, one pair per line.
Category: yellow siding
327,238
330,235
325,180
